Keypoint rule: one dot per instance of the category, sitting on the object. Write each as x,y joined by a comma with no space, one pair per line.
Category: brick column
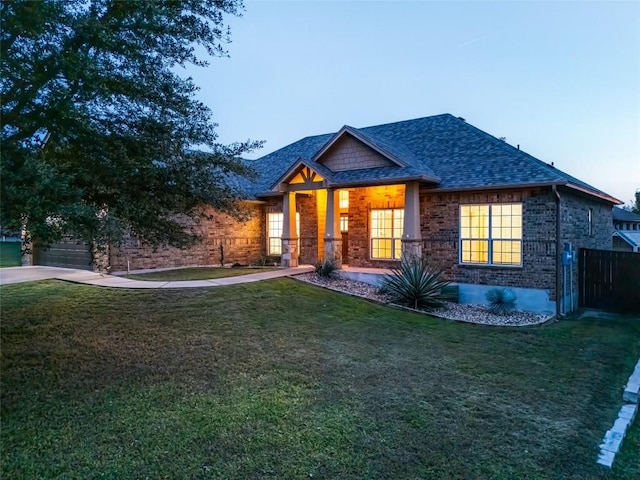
289,231
411,234
332,235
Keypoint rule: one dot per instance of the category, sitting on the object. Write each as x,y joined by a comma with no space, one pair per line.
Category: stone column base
289,252
412,247
333,250
26,247
100,258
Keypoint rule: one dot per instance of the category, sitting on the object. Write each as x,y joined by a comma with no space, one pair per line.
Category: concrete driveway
30,274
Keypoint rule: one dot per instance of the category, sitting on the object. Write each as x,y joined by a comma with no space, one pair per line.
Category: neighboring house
488,213
626,238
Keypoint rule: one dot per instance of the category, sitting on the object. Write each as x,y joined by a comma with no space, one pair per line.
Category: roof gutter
559,312
602,196
573,186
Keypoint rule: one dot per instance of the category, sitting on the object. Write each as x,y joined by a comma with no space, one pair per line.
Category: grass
281,379
196,273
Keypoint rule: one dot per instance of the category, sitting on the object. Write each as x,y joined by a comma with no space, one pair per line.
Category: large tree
634,205
101,130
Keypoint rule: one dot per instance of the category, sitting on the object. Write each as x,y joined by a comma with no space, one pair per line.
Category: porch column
332,235
411,234
289,230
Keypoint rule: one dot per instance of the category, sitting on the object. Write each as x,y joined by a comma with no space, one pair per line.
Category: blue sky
562,79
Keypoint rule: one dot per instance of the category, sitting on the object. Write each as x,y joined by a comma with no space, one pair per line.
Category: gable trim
347,130
310,182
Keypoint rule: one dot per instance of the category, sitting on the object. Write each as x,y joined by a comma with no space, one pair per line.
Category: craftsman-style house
487,212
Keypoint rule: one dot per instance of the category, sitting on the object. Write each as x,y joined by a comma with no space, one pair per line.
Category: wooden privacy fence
609,280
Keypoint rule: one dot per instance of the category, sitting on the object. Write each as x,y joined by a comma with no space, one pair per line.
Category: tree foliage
98,125
634,205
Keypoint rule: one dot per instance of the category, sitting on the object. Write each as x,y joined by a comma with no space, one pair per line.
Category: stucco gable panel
349,153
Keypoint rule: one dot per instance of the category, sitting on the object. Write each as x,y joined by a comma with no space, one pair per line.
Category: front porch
360,226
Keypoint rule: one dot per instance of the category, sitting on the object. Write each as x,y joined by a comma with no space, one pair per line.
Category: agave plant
326,268
416,283
502,301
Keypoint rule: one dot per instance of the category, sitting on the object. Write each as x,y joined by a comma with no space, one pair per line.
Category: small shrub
267,261
416,283
502,301
326,269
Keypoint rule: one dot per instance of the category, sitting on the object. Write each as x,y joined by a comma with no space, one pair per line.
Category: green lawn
196,273
281,379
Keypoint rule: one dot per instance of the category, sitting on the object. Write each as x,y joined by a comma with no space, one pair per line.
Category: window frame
344,222
490,240
343,199
269,237
395,238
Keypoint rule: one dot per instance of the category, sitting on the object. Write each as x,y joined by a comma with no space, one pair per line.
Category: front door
345,248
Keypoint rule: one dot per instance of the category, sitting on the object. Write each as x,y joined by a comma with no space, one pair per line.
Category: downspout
558,252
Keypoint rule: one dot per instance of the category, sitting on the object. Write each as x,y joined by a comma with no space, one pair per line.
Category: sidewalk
29,274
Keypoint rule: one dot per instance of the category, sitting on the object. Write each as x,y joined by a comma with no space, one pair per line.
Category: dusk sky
561,79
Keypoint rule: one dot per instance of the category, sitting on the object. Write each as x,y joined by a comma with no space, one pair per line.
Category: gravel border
451,311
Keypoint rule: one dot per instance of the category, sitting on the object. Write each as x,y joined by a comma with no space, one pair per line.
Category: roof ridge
544,166
407,121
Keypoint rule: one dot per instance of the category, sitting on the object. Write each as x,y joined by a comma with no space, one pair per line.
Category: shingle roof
445,147
624,215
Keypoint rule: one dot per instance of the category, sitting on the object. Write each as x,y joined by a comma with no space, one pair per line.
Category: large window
274,232
386,233
491,234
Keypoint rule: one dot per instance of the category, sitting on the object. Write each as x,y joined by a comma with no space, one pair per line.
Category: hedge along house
488,213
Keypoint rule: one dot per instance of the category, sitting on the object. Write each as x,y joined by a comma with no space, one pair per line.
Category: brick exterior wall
351,154
307,205
439,224
361,202
574,214
243,242
440,218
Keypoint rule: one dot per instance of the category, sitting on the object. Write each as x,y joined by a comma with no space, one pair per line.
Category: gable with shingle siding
351,154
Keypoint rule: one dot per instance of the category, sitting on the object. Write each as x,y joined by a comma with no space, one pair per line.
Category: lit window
491,234
344,199
386,233
590,221
344,222
274,232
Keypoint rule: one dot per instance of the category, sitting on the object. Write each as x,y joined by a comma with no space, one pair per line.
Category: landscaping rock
452,311
628,411
632,389
606,458
612,441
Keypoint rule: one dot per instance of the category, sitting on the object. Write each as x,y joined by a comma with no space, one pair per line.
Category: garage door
10,255
68,253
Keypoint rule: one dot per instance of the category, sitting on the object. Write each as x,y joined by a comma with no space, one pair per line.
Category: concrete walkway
29,274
